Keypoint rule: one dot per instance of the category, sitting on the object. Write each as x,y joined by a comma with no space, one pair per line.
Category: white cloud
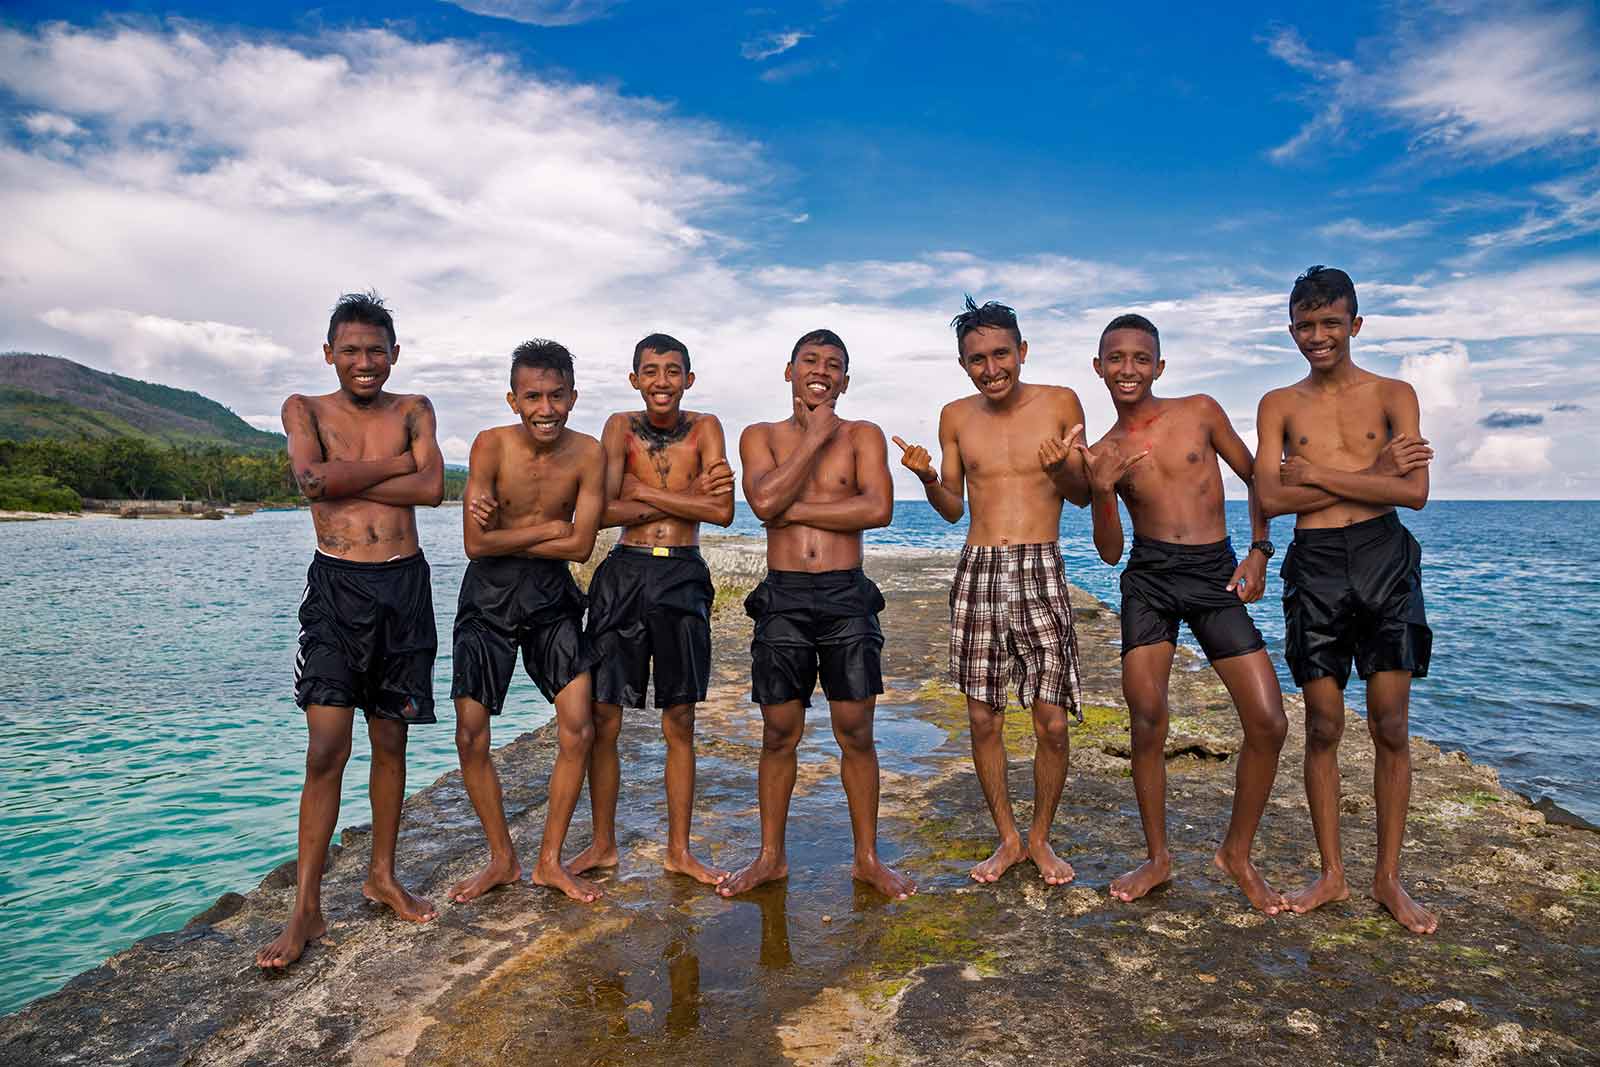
540,12
1570,209
1507,453
160,348
1356,230
46,124
768,45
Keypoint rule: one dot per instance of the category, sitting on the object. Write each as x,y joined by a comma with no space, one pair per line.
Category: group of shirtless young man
1340,449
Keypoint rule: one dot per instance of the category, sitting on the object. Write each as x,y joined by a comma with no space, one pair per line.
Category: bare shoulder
619,421
959,410
757,431
1282,397
584,446
299,405
1061,396
1202,406
863,431
1395,389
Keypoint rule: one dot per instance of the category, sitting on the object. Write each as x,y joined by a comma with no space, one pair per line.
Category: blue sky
192,185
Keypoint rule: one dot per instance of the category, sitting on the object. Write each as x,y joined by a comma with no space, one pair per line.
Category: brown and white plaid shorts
1011,620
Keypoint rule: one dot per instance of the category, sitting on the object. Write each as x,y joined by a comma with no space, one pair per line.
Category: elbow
1110,558
764,508
882,516
725,516
1417,499
582,549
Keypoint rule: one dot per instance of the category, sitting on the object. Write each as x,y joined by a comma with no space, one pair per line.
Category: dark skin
1338,447
1161,458
536,490
1011,445
365,458
666,473
816,482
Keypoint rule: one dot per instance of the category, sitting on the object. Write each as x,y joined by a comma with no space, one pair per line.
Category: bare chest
665,464
1339,430
1003,448
537,488
833,474
378,435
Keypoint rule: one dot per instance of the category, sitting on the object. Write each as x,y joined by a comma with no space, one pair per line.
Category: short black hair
1320,286
366,308
663,343
542,354
821,337
991,314
1131,321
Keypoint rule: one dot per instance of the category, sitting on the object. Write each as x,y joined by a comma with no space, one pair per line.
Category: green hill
49,397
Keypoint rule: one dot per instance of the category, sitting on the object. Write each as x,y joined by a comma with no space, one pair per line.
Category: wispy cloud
1482,87
768,45
1356,230
1570,208
540,12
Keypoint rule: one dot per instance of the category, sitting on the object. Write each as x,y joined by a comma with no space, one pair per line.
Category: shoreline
812,972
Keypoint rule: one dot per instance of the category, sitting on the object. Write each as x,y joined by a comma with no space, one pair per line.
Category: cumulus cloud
1503,453
540,12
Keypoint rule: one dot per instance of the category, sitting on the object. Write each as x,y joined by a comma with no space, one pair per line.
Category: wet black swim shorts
509,603
1354,591
645,606
1165,582
367,638
808,624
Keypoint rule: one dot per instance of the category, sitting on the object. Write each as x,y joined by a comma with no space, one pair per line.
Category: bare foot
1002,860
1325,890
1262,896
292,942
686,864
884,879
1413,916
555,876
1143,878
765,869
498,872
394,896
1054,869
598,854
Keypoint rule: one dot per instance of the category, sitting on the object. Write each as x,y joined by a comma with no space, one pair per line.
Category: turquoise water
153,753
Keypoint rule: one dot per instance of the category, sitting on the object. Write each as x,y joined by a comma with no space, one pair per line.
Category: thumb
896,439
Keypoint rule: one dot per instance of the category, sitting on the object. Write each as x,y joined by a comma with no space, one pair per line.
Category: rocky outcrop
817,971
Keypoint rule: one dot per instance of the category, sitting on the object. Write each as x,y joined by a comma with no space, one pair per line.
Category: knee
607,728
1390,732
1148,724
853,736
326,758
577,738
986,724
1270,730
472,742
1050,728
780,739
1323,731
677,724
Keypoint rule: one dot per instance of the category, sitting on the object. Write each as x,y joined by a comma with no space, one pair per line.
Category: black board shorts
512,603
1165,582
651,605
1354,592
367,638
810,624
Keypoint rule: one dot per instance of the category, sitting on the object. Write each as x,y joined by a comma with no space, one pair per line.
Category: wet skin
1341,446
1010,447
534,489
666,473
816,482
364,458
1161,458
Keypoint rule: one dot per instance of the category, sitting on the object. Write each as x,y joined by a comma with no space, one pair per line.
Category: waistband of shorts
1386,521
1008,551
1213,548
657,551
322,559
519,563
805,579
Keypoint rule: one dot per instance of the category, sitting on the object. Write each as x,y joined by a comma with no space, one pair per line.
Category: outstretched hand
1107,465
715,480
1402,455
1053,454
482,509
915,459
1249,578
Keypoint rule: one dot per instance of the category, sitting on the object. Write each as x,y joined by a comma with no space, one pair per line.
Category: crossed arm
553,539
632,502
773,488
414,477
1398,477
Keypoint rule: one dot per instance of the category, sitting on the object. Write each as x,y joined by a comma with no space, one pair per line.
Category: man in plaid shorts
1010,617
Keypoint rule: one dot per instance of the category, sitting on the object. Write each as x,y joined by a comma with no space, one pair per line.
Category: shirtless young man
1161,458
365,459
1010,619
650,600
1341,449
534,495
816,482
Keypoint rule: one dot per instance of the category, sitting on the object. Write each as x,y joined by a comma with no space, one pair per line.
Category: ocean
153,753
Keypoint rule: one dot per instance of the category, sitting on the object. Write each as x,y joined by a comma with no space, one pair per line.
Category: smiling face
661,381
993,358
1323,334
542,399
1129,364
362,357
817,374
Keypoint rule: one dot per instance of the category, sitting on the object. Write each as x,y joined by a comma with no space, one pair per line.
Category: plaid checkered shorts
1011,621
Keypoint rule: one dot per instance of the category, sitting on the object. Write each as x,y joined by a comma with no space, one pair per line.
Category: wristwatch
1264,547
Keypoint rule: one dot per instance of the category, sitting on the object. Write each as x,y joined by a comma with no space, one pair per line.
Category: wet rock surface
817,970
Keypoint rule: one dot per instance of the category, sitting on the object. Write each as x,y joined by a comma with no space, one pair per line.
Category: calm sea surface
152,754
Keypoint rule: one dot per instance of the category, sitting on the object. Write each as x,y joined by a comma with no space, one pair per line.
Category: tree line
53,475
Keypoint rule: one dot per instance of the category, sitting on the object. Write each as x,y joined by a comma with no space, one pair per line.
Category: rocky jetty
817,971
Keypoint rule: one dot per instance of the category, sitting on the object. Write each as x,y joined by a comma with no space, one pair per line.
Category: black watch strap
1264,547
